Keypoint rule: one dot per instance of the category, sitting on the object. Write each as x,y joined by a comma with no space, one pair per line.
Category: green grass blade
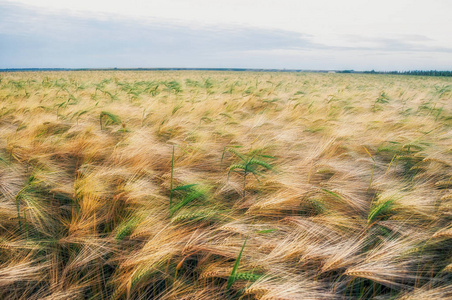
184,187
171,183
232,278
332,194
189,198
267,230
18,212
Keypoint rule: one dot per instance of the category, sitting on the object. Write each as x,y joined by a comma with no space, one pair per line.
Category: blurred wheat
350,196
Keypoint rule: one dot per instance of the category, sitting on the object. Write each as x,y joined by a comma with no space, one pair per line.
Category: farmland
225,185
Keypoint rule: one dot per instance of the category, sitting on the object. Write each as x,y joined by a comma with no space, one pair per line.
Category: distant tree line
415,72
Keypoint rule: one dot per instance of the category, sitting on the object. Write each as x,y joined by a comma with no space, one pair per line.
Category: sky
271,34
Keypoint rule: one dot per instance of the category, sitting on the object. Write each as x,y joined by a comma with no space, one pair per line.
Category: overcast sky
291,34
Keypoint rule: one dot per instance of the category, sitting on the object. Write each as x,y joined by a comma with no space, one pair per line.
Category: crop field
225,185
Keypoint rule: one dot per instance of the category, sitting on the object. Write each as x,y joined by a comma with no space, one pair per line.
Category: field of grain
225,185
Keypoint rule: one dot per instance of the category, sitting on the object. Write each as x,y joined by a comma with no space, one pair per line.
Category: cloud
42,39
401,43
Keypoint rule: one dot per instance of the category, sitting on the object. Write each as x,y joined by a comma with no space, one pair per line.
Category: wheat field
225,185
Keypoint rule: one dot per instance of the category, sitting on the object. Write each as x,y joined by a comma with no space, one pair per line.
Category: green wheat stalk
112,117
380,210
248,165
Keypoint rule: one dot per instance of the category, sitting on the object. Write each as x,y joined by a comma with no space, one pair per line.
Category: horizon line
4,70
